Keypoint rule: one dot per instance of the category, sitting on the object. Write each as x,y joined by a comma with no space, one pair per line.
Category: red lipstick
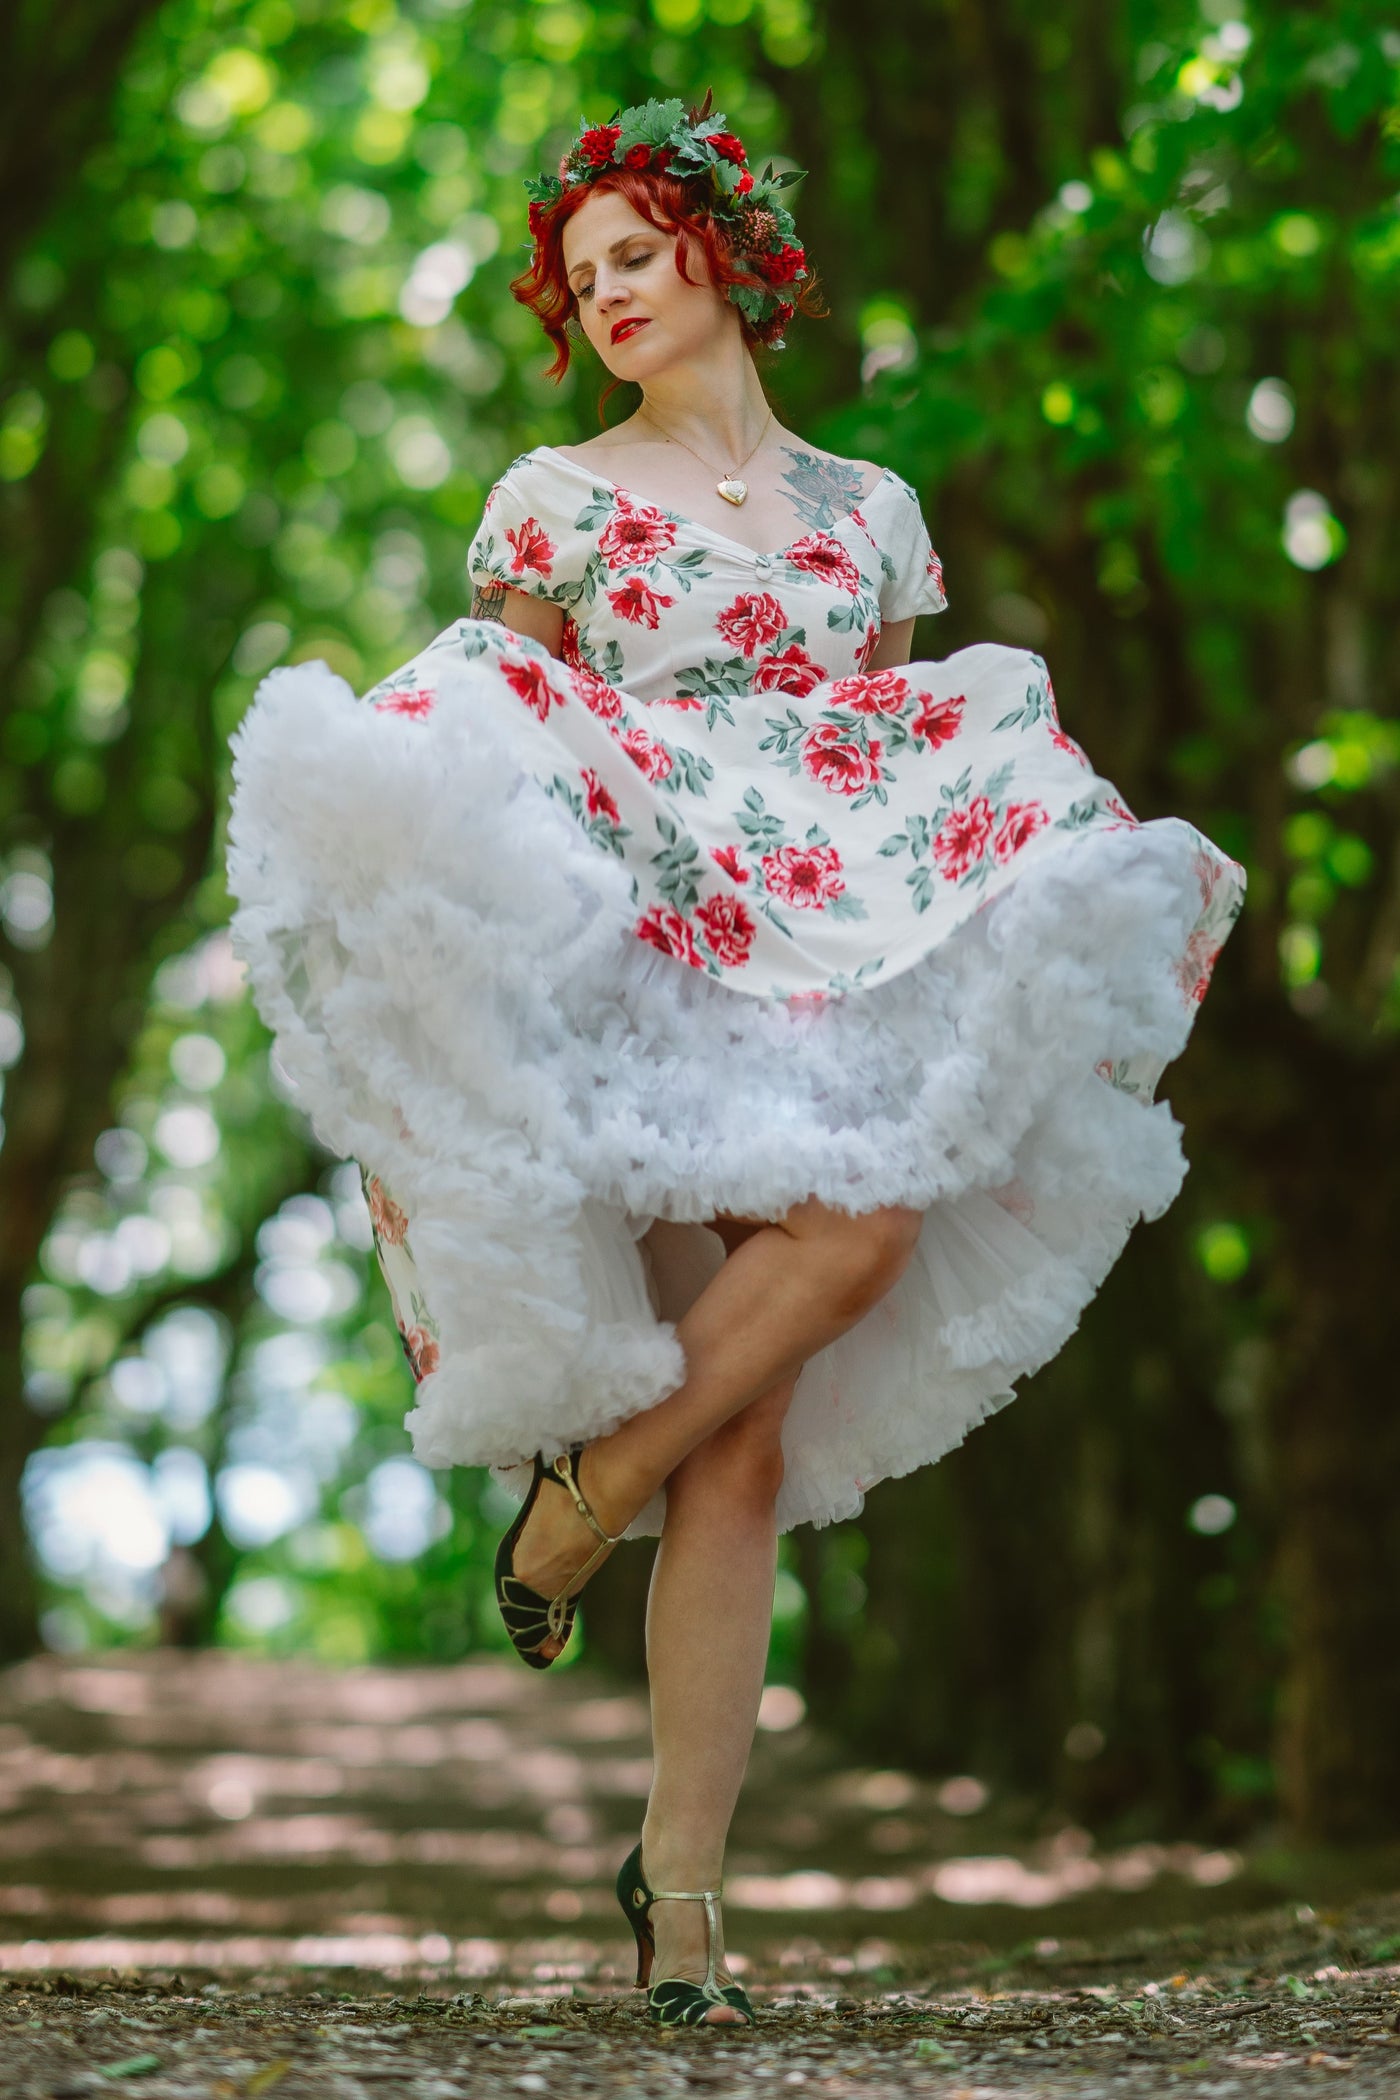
622,329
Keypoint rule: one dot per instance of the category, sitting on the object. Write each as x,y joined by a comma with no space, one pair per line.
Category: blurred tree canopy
1119,295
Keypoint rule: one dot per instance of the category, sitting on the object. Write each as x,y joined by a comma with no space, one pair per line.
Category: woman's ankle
673,1860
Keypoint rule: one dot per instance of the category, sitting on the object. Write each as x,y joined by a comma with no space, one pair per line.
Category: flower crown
660,136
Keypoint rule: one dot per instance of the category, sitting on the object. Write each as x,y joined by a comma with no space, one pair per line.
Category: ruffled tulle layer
460,1004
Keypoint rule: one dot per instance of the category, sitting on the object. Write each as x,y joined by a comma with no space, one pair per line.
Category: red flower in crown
729,927
728,147
596,146
744,184
636,156
783,267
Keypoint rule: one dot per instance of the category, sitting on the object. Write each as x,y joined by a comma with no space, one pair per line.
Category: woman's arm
892,649
536,617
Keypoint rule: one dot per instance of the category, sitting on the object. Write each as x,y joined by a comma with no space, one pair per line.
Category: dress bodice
669,608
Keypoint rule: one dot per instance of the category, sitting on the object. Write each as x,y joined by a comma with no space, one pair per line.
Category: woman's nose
607,290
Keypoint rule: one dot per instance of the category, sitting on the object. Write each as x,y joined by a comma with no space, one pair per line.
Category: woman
754,1033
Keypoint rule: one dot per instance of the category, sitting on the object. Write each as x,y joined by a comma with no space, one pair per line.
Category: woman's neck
717,407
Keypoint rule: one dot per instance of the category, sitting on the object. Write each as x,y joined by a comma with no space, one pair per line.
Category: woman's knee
868,1253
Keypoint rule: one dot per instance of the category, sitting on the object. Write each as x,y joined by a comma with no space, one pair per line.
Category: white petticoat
459,1003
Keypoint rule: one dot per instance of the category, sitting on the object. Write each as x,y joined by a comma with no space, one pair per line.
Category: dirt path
223,1877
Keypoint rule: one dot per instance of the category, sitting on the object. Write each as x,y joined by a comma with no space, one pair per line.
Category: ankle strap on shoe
563,1471
710,1899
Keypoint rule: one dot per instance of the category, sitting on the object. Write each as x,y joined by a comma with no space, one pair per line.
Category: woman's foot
557,1545
682,1954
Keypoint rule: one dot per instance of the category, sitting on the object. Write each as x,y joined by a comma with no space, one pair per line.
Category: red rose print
729,927
422,1351
962,837
858,518
789,670
388,1220
1194,967
821,555
1068,746
600,802
875,693
569,647
415,705
648,752
1121,810
687,704
728,147
868,647
752,621
597,695
838,761
665,929
938,721
634,601
636,156
531,548
935,570
1021,822
634,535
532,684
807,876
727,857
596,146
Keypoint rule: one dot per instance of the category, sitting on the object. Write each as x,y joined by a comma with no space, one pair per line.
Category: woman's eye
634,261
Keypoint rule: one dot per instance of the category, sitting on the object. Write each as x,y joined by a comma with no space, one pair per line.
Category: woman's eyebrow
615,249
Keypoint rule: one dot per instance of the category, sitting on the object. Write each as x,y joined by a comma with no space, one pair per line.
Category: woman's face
634,306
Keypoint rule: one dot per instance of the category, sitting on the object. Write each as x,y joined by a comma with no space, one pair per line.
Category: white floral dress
710,916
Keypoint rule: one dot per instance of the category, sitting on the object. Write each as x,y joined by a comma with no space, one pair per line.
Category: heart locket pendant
735,492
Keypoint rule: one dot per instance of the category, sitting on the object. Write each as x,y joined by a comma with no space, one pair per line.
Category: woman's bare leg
708,1620
784,1293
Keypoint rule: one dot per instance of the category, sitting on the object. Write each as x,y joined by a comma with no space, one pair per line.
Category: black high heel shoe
529,1617
672,2001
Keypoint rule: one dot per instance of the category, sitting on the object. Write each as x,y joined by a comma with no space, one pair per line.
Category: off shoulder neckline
676,517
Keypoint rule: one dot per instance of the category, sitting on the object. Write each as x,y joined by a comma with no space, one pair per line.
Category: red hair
666,203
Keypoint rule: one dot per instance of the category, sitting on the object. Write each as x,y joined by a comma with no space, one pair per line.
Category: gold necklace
729,485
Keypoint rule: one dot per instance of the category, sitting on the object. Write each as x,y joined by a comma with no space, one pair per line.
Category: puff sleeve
522,542
913,574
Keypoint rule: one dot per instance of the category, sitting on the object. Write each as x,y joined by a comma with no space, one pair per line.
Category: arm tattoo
822,491
488,601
